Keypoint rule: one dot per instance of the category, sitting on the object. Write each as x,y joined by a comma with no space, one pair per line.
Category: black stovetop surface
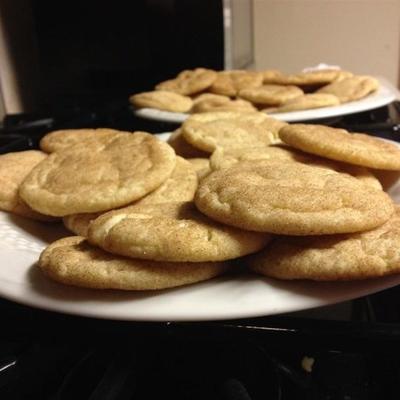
383,122
354,346
46,355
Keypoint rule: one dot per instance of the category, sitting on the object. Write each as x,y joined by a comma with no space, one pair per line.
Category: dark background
88,53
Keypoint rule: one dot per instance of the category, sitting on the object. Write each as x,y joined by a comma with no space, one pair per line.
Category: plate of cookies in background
234,215
311,95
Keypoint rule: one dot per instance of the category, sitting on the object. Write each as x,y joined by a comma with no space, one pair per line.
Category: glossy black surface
55,356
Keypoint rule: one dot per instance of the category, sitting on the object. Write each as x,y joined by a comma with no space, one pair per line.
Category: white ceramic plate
385,95
239,296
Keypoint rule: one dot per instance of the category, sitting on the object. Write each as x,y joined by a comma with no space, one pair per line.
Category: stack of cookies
317,194
204,90
290,201
128,198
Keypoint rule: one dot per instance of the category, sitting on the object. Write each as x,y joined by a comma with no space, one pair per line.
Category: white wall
362,36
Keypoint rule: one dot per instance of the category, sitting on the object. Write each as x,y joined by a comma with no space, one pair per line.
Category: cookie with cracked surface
162,100
271,94
180,186
352,88
230,129
308,78
339,144
14,167
306,102
369,254
361,173
292,199
73,261
225,158
62,139
99,177
229,83
171,232
208,96
224,104
320,77
189,82
273,76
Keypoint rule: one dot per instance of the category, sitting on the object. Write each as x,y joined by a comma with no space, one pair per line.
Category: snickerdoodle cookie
222,104
171,232
291,198
62,139
306,102
225,158
162,100
340,145
352,88
312,78
362,255
99,177
273,95
14,167
180,186
189,81
230,129
73,261
229,83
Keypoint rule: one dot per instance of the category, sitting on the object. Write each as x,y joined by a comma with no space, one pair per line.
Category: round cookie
306,102
351,88
273,76
209,96
100,177
171,232
362,255
361,173
309,78
225,158
271,94
180,186
62,139
223,104
338,144
291,198
229,83
162,100
73,261
189,82
182,147
320,77
14,167
229,129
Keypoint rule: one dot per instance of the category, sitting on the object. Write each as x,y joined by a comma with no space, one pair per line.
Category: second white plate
386,94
